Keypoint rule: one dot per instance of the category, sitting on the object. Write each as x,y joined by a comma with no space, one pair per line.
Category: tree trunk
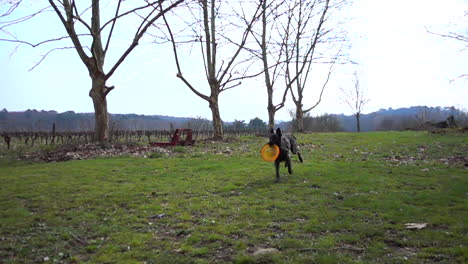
98,93
300,119
217,122
268,83
271,115
358,123
271,107
52,141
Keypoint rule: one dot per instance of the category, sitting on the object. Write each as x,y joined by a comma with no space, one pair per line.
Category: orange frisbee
270,152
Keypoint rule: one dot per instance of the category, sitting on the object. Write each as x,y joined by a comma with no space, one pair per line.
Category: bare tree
355,98
212,36
304,32
271,55
91,39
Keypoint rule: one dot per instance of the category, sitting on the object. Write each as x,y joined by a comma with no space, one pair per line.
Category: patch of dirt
93,150
396,160
456,160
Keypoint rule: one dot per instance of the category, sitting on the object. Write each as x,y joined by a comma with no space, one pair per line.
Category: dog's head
275,138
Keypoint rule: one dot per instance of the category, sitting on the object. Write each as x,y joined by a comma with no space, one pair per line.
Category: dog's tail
300,158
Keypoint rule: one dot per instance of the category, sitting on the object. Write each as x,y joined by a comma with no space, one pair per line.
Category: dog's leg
300,158
288,163
277,163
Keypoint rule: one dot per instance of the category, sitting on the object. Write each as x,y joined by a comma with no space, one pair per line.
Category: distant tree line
414,118
33,121
43,121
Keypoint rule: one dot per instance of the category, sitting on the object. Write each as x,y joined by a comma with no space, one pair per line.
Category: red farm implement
176,140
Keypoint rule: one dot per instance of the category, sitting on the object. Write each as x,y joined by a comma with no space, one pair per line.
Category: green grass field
218,203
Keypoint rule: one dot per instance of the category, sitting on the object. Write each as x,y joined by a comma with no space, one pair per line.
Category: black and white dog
287,144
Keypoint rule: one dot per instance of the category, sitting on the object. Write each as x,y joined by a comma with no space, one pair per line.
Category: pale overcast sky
400,65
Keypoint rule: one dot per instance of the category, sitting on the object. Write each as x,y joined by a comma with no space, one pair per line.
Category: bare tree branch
21,19
152,4
450,35
179,70
244,39
330,70
138,37
47,54
112,27
11,9
230,87
68,23
307,58
40,43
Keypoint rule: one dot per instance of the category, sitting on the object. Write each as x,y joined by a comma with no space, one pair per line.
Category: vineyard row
49,138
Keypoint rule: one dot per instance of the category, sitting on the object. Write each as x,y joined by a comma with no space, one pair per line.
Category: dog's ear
272,131
278,132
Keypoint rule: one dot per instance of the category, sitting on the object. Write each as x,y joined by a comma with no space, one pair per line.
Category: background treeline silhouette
414,118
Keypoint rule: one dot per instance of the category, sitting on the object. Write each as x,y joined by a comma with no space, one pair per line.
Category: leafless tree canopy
310,37
269,49
221,29
90,31
280,41
356,99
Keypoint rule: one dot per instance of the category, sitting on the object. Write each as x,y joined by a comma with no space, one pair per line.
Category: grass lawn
218,203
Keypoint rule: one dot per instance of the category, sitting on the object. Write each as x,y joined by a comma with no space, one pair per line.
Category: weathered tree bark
98,95
95,67
299,119
271,114
217,122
